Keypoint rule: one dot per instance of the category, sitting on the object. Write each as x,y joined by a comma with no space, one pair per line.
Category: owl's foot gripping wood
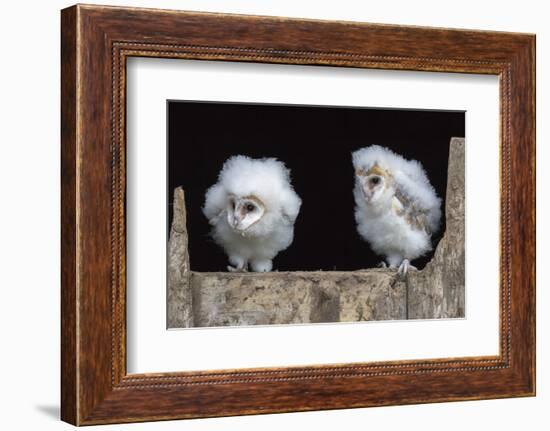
405,267
261,265
234,269
401,264
238,264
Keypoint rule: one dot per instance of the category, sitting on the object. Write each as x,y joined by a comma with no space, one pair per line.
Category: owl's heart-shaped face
243,212
372,182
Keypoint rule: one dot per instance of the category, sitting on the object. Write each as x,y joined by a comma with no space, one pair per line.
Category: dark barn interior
315,143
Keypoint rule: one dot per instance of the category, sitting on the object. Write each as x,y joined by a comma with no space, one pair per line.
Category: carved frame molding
96,41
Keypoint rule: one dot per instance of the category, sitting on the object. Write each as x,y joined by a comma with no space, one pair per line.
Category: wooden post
180,297
438,290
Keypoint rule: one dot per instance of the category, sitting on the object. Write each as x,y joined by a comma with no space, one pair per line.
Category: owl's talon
405,267
382,265
234,269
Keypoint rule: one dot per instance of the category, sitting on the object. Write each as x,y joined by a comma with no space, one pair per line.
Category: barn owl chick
252,209
397,209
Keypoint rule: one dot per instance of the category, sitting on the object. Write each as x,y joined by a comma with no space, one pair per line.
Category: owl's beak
237,220
367,192
233,219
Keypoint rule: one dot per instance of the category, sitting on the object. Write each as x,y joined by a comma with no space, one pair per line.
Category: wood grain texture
96,41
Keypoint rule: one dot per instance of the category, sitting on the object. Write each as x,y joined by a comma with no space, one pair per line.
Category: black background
316,144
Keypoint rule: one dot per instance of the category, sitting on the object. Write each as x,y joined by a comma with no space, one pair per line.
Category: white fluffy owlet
252,209
397,209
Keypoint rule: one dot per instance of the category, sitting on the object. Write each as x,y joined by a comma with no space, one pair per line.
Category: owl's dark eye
375,180
250,208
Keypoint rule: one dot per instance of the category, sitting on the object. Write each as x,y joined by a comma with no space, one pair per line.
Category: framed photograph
264,214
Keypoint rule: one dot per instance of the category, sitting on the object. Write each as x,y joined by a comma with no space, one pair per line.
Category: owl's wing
410,211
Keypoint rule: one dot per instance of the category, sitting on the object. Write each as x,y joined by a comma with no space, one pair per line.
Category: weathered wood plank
438,290
229,299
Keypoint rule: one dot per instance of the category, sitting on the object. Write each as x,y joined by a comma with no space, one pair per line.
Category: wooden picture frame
95,43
